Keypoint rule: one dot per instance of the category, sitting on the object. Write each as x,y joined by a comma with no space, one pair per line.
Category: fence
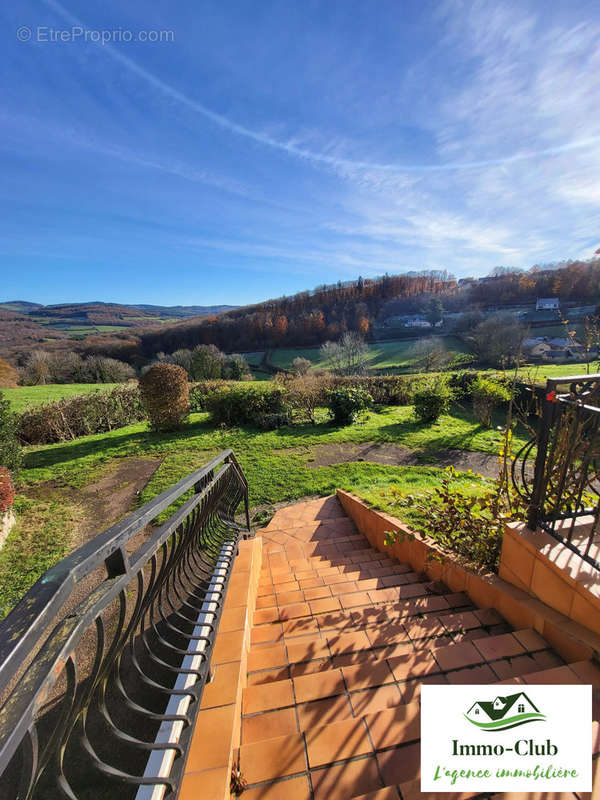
103,662
563,490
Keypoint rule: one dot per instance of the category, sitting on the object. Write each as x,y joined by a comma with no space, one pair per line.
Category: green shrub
200,391
80,415
11,454
461,384
165,396
386,390
461,360
487,395
469,526
432,400
242,405
344,404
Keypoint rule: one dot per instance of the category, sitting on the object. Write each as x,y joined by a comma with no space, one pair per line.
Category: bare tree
349,356
306,393
37,368
430,354
300,366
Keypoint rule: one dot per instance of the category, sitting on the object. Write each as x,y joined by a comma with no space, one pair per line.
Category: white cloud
515,174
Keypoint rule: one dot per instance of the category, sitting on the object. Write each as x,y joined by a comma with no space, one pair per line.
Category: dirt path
397,455
111,497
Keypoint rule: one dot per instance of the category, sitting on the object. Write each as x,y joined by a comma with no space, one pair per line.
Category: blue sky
273,146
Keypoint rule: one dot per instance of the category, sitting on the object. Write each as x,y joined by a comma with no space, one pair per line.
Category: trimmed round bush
431,401
344,404
165,396
7,490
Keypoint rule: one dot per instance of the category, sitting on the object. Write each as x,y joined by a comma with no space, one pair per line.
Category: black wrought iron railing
103,662
562,491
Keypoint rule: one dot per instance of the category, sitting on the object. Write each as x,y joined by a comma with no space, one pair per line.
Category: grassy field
539,372
394,354
279,465
24,396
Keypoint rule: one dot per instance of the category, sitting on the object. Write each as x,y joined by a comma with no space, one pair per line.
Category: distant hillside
136,333
26,326
20,306
185,311
122,310
325,313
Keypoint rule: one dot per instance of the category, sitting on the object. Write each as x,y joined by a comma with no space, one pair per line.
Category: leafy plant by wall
165,395
469,526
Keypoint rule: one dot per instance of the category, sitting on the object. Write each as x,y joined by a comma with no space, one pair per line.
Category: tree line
329,311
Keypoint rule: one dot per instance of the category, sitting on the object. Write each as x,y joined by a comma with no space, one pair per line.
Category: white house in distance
547,304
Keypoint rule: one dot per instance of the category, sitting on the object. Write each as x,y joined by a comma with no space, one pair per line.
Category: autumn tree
280,327
8,375
363,326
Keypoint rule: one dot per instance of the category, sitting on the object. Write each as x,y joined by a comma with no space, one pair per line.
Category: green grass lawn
539,372
279,466
276,461
24,396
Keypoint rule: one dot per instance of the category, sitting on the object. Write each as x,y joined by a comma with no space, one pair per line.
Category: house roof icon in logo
505,711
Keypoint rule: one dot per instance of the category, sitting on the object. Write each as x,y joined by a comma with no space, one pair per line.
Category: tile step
354,644
376,753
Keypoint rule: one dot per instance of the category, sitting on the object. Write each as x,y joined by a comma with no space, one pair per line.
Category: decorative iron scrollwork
111,648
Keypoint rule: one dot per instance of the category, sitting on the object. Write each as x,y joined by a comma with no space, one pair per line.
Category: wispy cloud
478,146
292,148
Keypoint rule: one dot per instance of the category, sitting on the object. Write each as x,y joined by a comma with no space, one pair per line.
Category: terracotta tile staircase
342,639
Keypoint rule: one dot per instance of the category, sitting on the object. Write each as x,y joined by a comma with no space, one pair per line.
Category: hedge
386,390
242,405
81,415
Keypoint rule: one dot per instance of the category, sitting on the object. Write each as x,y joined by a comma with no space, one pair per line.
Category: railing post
247,508
539,475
